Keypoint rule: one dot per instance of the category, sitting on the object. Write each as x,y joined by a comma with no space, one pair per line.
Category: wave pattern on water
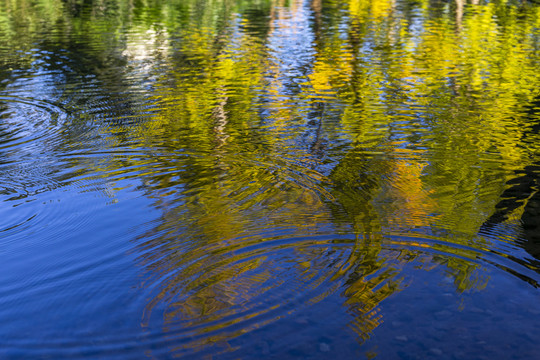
219,291
269,179
29,125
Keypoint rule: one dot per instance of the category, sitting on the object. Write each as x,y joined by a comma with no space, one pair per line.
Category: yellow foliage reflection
301,151
399,92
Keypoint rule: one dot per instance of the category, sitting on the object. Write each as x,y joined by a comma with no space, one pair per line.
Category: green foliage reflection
274,120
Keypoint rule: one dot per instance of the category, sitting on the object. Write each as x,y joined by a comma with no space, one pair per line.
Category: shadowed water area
273,179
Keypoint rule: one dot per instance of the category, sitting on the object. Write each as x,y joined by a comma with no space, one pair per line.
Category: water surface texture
310,179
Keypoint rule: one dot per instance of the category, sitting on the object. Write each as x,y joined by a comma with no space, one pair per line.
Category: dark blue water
269,179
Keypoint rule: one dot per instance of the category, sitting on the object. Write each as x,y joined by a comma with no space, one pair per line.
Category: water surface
269,179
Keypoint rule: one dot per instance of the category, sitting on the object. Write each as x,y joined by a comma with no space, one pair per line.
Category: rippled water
269,179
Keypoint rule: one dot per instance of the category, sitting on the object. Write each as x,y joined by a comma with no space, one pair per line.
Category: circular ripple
29,125
220,290
30,131
200,294
224,289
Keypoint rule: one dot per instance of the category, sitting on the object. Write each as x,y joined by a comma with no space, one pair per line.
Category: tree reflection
353,133
396,93
290,144
520,199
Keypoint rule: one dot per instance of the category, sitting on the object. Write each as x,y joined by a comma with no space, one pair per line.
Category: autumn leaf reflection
244,240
